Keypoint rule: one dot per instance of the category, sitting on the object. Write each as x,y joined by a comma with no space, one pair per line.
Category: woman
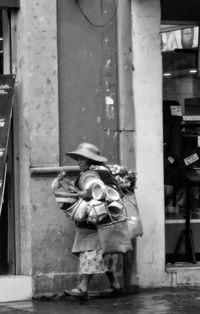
86,243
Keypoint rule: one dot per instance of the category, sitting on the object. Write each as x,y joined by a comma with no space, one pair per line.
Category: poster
7,83
184,38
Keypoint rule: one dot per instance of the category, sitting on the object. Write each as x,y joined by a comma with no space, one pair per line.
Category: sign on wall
7,83
9,3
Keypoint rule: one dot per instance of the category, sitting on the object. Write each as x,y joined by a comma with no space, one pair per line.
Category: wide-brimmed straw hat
87,150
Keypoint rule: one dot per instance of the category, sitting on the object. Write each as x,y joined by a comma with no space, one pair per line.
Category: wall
43,227
46,234
37,138
147,90
87,68
125,92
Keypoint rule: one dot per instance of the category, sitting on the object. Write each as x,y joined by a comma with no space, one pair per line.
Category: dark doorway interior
4,213
1,43
7,217
4,237
180,10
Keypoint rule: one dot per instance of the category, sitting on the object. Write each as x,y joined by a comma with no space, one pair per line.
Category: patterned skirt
93,262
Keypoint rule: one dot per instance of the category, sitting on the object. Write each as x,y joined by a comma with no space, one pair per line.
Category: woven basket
62,196
88,179
114,237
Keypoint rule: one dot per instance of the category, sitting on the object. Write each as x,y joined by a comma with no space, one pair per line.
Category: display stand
186,236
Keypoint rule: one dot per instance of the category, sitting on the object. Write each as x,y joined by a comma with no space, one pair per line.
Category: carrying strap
114,181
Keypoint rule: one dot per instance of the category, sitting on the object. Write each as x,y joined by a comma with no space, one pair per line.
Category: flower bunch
126,178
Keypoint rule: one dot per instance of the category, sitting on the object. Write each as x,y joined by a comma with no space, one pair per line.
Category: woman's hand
56,182
84,195
61,175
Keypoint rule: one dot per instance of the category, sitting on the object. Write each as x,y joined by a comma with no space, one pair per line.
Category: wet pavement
164,301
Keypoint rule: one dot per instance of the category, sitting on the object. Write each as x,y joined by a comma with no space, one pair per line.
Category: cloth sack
134,221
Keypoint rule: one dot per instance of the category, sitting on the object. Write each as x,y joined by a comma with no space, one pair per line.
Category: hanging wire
92,23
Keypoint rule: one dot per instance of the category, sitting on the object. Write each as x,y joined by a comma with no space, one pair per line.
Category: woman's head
84,163
87,154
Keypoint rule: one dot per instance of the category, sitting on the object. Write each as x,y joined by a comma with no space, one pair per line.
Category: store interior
181,141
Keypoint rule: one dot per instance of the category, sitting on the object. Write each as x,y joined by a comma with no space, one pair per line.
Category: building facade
84,72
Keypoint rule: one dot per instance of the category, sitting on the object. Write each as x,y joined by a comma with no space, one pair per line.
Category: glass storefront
181,125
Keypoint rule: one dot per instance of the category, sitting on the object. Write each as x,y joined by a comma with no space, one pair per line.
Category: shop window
181,125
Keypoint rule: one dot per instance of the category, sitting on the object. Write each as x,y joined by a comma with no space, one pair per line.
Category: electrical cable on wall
92,23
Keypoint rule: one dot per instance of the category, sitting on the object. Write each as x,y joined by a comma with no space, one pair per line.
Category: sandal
116,291
77,292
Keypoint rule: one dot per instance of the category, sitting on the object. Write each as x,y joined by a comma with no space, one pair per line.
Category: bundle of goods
109,203
103,201
125,181
66,194
118,175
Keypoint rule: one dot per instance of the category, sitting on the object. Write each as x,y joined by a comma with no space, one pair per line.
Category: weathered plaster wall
147,89
38,119
54,267
125,94
88,77
46,233
42,82
44,229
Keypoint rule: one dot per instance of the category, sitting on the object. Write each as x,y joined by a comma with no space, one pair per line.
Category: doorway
7,216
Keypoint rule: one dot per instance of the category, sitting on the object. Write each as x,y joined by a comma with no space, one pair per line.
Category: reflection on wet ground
164,301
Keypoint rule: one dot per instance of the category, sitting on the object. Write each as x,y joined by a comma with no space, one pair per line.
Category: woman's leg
114,283
85,280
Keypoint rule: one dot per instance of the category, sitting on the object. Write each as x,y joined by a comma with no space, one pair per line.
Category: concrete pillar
125,95
38,135
147,91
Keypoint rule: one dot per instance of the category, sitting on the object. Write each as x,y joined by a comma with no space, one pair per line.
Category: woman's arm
56,182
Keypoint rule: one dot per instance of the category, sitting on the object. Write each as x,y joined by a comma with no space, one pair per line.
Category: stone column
147,91
125,95
38,136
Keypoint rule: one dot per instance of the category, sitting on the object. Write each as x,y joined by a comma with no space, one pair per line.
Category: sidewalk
160,301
